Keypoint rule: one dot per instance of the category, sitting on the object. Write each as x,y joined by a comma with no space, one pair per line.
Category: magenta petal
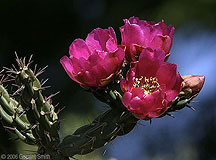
137,92
97,39
126,98
130,78
89,79
149,62
84,64
113,61
112,34
149,101
171,30
79,49
128,32
93,42
111,45
123,85
137,106
156,56
166,74
162,42
173,93
76,65
66,63
158,107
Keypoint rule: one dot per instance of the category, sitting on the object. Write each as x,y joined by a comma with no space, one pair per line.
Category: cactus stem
92,140
13,139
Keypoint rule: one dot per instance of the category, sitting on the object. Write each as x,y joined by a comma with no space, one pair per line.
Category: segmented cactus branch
100,132
32,117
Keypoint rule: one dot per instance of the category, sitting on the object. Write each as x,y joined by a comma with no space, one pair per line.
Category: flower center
148,85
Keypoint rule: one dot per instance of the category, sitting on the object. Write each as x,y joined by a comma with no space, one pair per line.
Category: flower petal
79,49
166,74
149,62
66,63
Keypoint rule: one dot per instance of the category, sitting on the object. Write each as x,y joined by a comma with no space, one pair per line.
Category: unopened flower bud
192,85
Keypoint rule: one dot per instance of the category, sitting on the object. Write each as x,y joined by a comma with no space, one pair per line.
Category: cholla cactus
140,85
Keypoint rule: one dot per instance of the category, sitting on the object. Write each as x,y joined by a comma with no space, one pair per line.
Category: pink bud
96,61
192,84
138,34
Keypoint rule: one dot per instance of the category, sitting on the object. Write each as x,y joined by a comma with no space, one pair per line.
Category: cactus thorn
10,70
59,110
104,152
9,128
170,115
140,124
44,81
18,90
56,105
40,71
35,68
150,121
43,88
14,68
30,61
52,95
192,108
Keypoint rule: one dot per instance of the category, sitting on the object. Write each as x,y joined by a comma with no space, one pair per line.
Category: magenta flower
138,34
95,61
150,85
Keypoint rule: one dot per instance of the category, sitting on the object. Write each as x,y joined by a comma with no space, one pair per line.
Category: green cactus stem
31,116
12,119
100,132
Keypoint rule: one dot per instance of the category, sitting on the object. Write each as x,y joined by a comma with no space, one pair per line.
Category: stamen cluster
148,85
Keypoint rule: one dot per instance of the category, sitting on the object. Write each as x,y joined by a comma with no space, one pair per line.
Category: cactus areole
132,78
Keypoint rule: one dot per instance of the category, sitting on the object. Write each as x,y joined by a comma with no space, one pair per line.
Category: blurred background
47,28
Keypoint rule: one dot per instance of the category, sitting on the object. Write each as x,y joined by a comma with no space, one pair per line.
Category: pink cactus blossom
138,34
150,85
95,61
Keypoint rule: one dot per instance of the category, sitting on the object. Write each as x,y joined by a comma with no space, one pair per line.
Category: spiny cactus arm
100,132
36,117
12,118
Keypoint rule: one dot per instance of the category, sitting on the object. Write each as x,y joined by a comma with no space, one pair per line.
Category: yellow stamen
148,85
